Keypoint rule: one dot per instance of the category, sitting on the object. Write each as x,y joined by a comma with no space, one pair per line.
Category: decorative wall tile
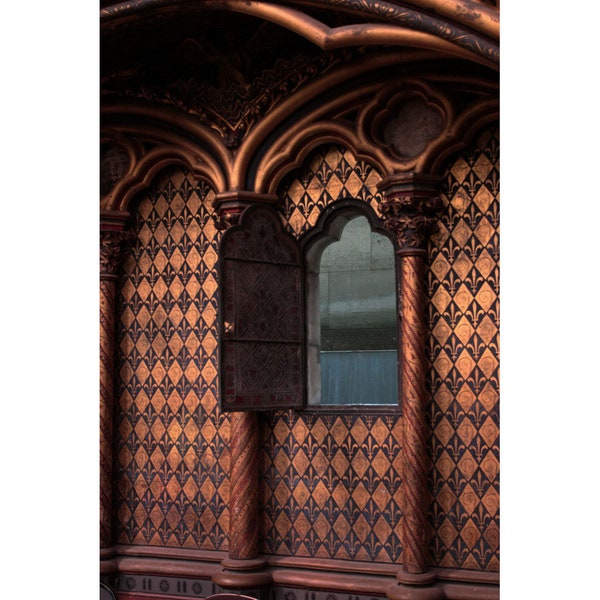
329,173
172,445
463,282
330,484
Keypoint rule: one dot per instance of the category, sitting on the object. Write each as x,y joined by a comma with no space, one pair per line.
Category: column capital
230,205
409,207
113,235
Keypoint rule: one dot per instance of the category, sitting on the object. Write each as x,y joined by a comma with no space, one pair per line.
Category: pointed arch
160,136
147,168
304,139
456,26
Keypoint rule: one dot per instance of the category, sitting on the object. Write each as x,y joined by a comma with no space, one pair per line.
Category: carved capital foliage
227,219
411,219
410,210
112,244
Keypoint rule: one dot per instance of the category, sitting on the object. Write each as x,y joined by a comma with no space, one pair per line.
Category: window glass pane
359,377
357,322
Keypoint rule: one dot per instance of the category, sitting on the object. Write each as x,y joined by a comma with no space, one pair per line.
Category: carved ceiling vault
239,91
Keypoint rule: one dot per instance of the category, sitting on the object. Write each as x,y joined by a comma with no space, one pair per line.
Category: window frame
331,223
320,231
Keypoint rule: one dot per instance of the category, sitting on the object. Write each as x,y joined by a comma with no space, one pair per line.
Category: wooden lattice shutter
262,326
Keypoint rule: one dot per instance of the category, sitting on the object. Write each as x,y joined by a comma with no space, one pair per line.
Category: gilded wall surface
172,455
463,283
330,483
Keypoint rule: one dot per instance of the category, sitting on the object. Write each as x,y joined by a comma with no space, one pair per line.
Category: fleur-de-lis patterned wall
330,484
463,285
172,455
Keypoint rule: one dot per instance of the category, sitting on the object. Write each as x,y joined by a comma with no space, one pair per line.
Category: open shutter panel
262,328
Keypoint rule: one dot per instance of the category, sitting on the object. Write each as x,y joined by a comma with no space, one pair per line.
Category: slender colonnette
111,241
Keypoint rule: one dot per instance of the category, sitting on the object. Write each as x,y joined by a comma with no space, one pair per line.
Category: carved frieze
232,107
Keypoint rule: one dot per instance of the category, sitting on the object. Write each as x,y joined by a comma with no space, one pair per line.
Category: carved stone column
242,570
112,237
243,506
409,210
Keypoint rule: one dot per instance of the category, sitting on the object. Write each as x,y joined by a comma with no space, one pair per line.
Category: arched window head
351,311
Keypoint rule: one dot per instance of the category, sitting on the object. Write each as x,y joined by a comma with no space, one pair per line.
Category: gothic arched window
351,310
310,323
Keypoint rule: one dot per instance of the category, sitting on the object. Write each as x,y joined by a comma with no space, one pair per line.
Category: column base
107,552
108,560
239,574
415,586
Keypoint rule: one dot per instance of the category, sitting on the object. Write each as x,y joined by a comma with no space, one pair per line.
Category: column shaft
409,210
415,463
111,240
107,335
243,568
243,505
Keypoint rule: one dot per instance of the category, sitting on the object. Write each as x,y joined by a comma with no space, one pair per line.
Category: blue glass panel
369,377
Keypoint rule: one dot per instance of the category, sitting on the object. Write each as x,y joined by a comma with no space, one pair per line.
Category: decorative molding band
459,32
209,561
285,585
162,586
453,31
473,14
